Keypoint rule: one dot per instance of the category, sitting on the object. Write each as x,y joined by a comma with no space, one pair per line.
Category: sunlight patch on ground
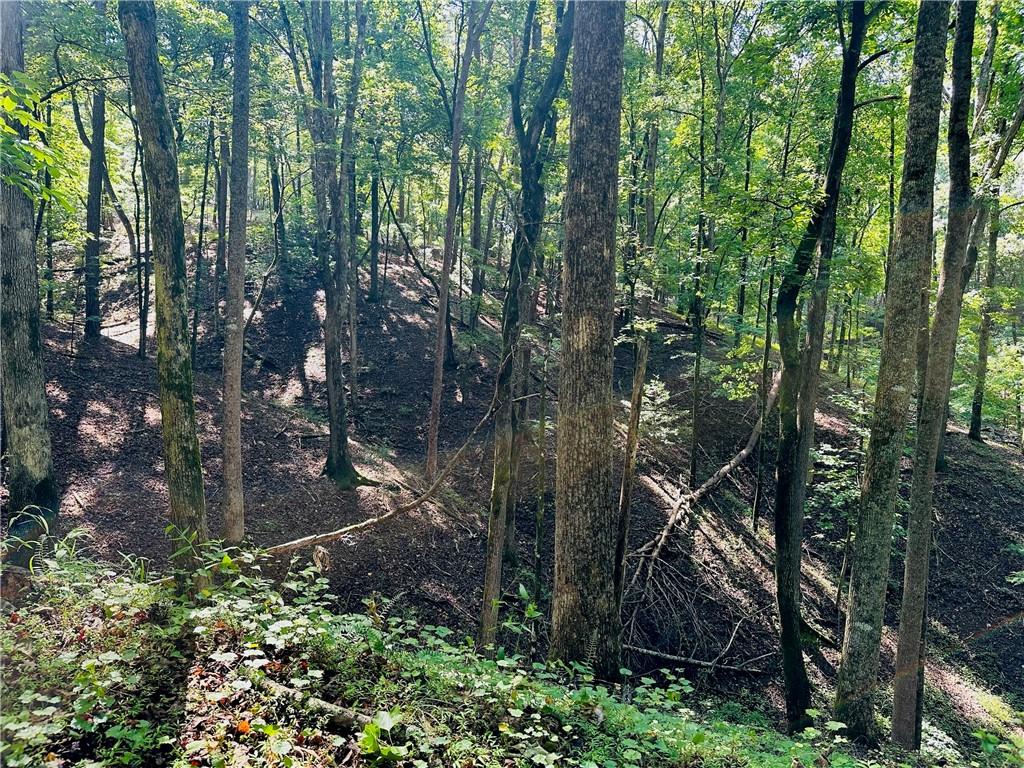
315,365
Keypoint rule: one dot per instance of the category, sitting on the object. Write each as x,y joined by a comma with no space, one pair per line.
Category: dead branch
697,662
322,538
652,549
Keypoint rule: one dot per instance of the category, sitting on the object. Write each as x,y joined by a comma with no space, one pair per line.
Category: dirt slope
712,594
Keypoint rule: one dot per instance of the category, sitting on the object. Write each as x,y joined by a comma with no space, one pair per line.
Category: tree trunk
476,21
93,211
516,310
641,349
912,242
331,243
277,201
174,371
799,379
200,245
233,504
985,332
223,167
30,478
586,625
374,294
931,421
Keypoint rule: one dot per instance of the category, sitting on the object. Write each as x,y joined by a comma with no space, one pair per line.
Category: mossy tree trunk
799,377
34,495
517,304
912,242
932,417
174,369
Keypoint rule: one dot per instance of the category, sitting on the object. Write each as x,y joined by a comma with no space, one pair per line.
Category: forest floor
711,597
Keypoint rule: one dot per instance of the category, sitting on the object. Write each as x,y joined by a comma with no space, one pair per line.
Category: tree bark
174,370
34,500
516,307
200,245
799,378
912,243
93,211
233,504
586,623
374,295
985,331
931,420
475,27
223,168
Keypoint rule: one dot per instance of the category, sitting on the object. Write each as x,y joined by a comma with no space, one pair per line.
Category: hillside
712,596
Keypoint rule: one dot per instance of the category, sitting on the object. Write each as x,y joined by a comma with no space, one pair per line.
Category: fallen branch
322,538
687,500
698,662
339,719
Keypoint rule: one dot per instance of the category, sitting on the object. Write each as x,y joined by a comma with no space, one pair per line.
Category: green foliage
24,152
156,679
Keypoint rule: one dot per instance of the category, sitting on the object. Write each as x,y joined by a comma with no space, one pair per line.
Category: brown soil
712,596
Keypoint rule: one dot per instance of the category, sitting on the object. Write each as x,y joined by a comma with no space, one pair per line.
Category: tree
517,306
912,246
234,329
34,499
932,417
985,332
477,19
332,222
586,624
95,199
801,371
182,463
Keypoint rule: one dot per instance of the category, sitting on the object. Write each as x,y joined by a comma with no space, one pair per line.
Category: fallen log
339,719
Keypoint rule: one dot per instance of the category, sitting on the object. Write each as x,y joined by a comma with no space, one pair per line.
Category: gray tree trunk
912,243
233,505
932,418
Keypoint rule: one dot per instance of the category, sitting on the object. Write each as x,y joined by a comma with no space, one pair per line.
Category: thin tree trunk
476,21
147,252
985,332
799,379
374,295
182,460
30,478
277,211
909,655
516,311
911,242
586,623
93,210
233,504
224,165
642,348
200,245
